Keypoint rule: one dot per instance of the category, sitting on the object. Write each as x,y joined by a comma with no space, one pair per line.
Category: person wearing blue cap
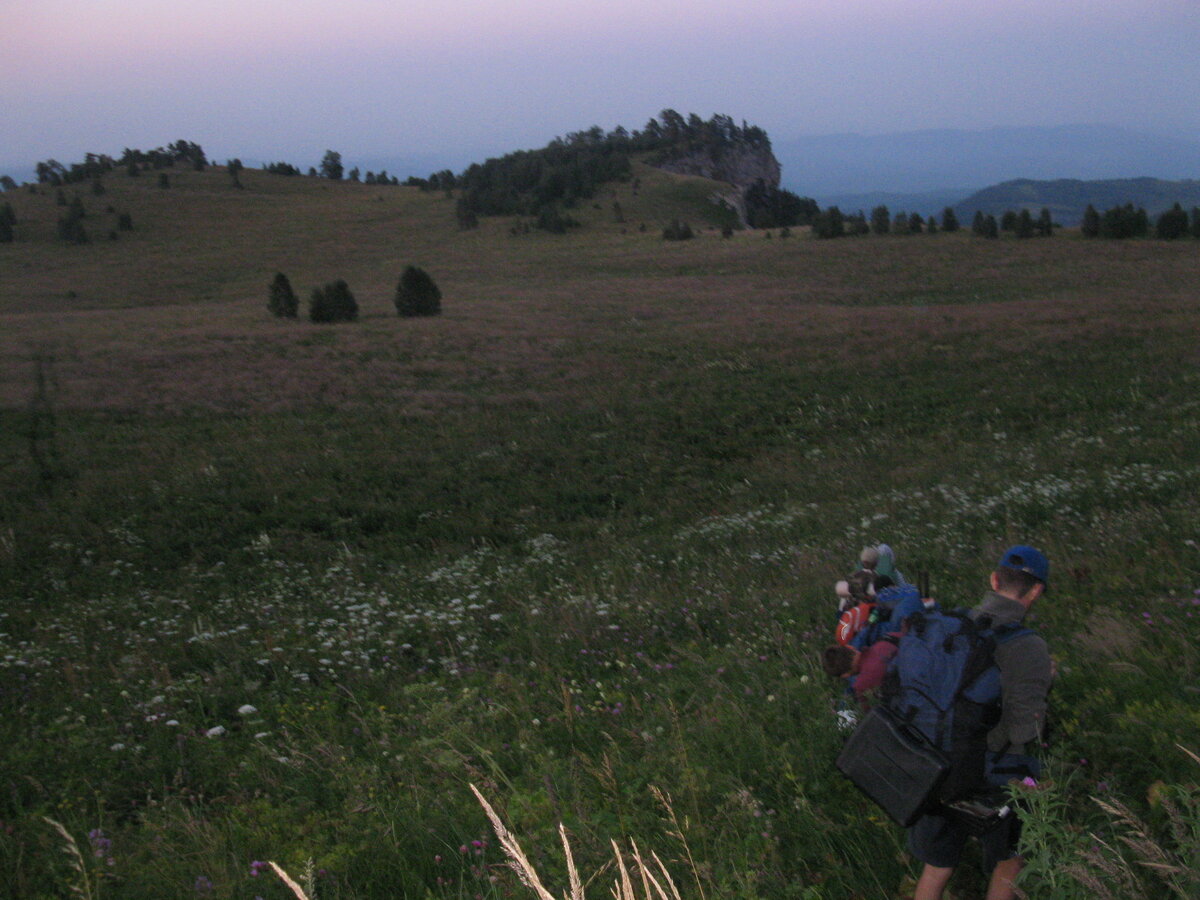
1020,578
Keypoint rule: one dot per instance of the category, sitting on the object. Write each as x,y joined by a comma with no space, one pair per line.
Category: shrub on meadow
417,294
678,231
333,303
1090,226
283,302
125,222
949,219
1172,224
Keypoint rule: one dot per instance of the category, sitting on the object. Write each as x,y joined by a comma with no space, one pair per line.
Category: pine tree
1172,224
881,220
417,294
1045,223
283,302
949,220
331,165
1023,226
1090,226
990,229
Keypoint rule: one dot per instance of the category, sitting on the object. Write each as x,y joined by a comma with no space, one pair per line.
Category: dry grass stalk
665,800
296,889
83,888
623,888
572,872
516,856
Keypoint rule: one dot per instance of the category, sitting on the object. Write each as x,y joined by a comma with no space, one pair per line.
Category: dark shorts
939,841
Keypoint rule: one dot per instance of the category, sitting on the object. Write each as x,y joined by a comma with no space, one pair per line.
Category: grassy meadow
272,590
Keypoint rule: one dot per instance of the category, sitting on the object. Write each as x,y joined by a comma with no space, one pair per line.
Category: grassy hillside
275,590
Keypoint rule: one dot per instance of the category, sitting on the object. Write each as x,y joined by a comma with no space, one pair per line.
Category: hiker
863,670
1025,671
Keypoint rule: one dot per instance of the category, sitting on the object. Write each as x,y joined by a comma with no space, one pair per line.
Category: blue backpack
944,683
892,606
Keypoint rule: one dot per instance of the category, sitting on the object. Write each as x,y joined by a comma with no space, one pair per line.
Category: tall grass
294,589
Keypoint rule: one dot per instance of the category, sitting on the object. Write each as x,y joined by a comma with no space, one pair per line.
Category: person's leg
1004,877
932,883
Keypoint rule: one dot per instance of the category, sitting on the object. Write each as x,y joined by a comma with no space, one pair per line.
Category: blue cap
1026,559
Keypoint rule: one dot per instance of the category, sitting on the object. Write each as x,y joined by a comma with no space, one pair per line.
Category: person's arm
1025,676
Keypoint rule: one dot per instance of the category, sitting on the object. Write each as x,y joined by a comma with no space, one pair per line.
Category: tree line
416,295
541,184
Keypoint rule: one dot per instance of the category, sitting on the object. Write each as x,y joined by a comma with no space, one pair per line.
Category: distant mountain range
1067,198
924,171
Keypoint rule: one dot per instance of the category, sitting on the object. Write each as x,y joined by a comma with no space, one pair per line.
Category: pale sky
461,79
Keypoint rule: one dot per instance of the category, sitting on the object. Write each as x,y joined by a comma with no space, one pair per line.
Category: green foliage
1124,222
6,230
900,224
677,231
7,183
70,226
282,301
417,294
282,168
1173,224
985,226
949,220
772,207
881,220
332,303
830,223
125,222
1023,225
1045,223
331,165
1090,226
164,180
552,219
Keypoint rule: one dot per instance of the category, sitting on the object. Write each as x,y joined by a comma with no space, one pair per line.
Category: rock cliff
741,167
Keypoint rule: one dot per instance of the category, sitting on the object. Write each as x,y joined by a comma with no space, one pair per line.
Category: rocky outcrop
741,167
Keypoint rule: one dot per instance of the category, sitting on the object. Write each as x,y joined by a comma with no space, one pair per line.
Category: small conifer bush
333,303
283,302
417,294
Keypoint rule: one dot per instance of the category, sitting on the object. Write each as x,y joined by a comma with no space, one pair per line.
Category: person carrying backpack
1025,672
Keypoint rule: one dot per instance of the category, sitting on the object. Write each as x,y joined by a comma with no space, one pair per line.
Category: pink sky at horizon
371,73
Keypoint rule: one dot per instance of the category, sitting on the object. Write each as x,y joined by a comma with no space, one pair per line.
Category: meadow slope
274,590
